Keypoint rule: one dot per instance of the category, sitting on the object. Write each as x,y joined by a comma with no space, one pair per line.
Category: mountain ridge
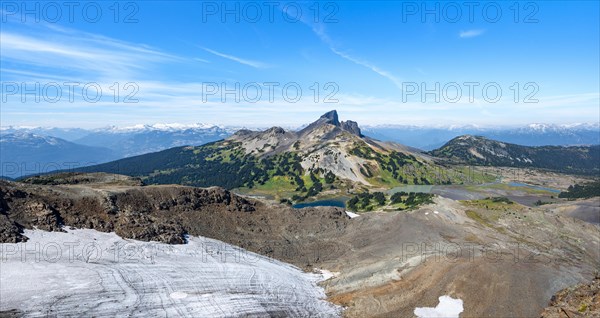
479,150
28,153
326,155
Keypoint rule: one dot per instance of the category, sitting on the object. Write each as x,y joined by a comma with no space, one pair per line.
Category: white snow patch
447,308
178,295
90,273
327,274
426,213
436,212
352,215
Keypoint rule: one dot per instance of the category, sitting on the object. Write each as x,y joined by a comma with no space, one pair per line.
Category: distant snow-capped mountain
71,134
135,142
428,138
554,127
68,134
160,127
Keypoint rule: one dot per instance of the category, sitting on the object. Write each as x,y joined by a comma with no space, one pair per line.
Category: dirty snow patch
447,308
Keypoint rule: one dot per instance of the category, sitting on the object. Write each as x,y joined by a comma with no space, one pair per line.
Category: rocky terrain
499,257
322,144
582,300
110,203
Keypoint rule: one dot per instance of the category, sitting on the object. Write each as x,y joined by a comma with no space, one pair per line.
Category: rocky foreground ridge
111,203
581,300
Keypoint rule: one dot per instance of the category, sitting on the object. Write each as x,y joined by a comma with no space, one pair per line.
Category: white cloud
471,33
240,60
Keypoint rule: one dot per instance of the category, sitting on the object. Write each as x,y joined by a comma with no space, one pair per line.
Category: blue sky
371,56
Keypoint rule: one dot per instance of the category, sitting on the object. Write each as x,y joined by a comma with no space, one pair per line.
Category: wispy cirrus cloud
78,54
240,60
370,66
319,31
470,33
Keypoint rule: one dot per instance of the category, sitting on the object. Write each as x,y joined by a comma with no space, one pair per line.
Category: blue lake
518,184
340,203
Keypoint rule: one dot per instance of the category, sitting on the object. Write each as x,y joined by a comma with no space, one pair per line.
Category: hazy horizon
185,125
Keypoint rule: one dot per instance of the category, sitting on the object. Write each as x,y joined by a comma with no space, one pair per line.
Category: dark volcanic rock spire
331,118
351,126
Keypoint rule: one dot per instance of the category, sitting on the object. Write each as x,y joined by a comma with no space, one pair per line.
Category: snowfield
88,273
